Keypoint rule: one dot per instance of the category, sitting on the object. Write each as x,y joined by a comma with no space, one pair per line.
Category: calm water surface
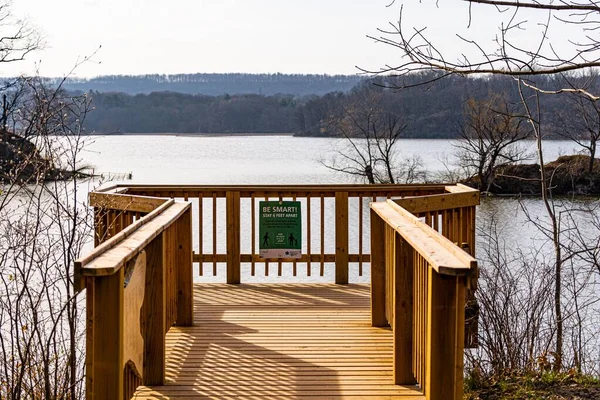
245,159
164,159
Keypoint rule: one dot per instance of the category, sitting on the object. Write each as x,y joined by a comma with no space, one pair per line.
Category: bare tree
489,136
515,296
505,54
17,37
524,60
43,228
370,147
581,122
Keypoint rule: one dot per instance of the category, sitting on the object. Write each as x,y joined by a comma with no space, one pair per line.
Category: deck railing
226,219
139,277
138,283
420,279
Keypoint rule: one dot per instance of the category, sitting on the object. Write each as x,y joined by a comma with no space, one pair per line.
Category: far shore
262,134
191,134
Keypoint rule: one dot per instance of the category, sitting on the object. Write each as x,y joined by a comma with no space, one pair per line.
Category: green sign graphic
280,229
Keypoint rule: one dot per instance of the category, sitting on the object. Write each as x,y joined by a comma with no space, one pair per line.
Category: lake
247,159
284,159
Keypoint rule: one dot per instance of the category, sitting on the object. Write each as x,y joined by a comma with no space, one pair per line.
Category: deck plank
280,341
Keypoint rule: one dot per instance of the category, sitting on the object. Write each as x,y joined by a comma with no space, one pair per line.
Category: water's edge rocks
21,162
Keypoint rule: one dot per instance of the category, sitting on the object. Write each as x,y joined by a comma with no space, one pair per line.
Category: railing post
233,237
341,238
185,271
154,312
459,363
445,336
99,226
104,358
403,313
377,270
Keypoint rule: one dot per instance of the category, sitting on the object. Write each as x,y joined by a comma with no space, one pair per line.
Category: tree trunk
592,155
369,174
389,171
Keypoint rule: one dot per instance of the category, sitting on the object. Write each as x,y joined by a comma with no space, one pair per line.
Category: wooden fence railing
334,220
420,277
139,277
138,283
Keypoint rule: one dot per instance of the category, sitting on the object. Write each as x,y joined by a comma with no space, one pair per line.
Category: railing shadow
277,341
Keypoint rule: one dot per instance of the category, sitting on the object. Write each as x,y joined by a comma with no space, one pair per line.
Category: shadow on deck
282,342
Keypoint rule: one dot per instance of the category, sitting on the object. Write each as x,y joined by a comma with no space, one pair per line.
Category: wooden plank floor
275,341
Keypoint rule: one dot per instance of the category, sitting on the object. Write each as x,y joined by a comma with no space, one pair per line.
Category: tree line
169,112
430,112
213,84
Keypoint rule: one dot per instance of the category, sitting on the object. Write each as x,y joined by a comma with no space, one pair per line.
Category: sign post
280,229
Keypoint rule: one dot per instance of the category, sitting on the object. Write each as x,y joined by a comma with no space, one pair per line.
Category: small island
571,175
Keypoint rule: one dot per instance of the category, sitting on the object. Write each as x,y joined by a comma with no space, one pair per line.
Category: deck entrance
153,333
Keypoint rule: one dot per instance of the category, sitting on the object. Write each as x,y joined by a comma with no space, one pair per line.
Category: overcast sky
186,36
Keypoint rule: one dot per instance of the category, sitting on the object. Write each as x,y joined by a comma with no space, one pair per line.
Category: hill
214,84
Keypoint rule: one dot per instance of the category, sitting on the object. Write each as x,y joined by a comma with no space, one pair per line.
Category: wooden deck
280,341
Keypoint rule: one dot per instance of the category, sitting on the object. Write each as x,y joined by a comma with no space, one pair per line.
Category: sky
254,36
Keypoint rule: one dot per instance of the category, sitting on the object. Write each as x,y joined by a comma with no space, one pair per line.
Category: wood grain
308,341
133,341
341,238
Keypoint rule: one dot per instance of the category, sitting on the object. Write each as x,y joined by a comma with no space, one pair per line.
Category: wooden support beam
341,238
377,270
233,237
133,341
459,342
105,377
154,312
403,313
443,346
185,272
90,306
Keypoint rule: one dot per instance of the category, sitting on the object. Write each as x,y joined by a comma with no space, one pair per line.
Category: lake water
171,159
247,159
290,160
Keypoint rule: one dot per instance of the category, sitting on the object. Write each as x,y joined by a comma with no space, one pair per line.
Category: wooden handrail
465,259
419,283
139,283
125,202
438,202
427,242
329,189
129,242
122,235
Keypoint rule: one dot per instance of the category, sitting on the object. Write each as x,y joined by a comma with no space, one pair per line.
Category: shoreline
267,134
238,134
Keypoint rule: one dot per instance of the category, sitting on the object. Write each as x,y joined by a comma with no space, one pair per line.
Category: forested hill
215,84
429,112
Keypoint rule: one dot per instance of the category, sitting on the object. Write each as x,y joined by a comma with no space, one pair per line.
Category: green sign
280,229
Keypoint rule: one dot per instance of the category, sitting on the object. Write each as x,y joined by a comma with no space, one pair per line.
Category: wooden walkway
280,341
